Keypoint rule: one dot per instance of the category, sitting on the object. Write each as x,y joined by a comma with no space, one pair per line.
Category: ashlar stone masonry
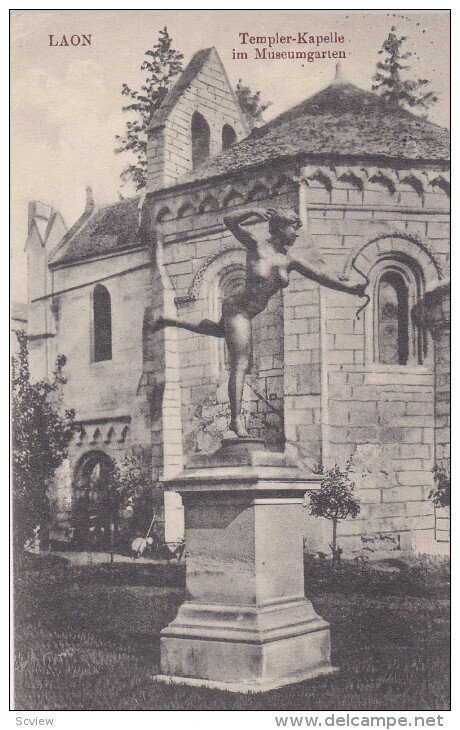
371,185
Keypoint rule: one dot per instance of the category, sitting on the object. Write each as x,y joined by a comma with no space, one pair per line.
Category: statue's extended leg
200,326
235,393
238,334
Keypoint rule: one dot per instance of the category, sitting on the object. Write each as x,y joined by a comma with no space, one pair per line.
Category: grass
87,638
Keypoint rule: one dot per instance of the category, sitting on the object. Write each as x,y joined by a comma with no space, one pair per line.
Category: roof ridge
289,114
77,227
184,80
331,92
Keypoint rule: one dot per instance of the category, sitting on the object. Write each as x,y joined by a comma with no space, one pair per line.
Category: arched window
200,139
102,324
398,338
393,319
95,501
231,280
228,136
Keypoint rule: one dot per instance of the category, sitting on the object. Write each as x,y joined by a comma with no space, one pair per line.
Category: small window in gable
228,136
201,136
102,324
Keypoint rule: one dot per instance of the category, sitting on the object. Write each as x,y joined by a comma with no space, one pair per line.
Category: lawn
87,638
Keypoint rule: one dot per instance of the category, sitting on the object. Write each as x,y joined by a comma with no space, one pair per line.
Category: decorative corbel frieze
354,176
414,178
385,177
439,179
323,175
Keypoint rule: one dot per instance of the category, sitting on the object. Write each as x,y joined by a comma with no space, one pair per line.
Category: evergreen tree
161,68
250,104
396,91
41,433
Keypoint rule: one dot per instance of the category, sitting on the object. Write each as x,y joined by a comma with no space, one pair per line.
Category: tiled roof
341,120
108,230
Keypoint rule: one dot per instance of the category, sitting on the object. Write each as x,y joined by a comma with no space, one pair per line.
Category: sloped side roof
184,80
108,230
341,120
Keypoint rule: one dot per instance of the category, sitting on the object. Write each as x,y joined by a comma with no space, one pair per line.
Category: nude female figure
268,265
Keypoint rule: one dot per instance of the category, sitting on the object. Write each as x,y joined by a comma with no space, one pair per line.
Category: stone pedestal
246,624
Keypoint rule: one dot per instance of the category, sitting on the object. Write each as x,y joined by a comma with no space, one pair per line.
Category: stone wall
437,313
333,400
112,412
45,229
316,386
380,416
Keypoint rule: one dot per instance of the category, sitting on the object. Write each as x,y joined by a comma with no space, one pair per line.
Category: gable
204,84
203,89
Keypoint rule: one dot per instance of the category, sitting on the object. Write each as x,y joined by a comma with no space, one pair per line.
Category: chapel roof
110,229
341,120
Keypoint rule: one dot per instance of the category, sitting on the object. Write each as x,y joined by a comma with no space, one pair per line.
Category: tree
396,91
161,67
335,501
250,104
41,433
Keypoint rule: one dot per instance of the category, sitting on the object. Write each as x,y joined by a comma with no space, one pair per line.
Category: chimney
89,207
339,75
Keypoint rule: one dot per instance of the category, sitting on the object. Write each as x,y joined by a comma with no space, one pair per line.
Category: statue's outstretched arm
234,220
325,279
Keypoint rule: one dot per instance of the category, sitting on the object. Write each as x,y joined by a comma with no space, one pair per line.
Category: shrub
440,494
335,501
41,433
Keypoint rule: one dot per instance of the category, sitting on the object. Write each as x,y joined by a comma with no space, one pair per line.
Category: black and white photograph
230,363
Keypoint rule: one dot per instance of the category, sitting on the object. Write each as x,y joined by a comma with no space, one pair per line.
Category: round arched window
201,136
228,136
393,319
95,501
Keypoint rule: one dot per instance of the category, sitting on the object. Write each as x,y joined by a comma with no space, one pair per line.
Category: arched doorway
95,505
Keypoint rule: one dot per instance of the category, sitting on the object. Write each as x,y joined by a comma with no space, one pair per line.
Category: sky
66,101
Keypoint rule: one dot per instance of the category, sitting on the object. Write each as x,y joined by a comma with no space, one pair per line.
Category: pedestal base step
252,688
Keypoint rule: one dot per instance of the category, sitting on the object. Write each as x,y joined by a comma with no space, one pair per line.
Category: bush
41,432
440,494
335,501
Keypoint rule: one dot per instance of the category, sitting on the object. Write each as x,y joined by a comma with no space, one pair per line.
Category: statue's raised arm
233,221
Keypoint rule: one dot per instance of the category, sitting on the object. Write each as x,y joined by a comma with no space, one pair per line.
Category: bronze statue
268,264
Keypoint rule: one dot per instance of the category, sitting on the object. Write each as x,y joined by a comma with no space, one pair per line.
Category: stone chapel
371,185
